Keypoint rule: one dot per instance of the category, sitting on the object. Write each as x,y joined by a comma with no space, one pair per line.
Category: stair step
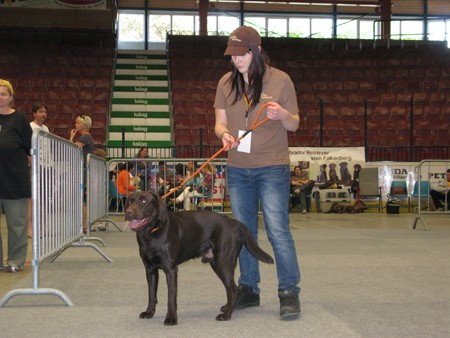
140,129
140,143
141,114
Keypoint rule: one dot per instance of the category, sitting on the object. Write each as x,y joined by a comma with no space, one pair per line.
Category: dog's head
145,208
337,208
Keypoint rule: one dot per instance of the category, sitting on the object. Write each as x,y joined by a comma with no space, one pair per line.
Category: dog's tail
253,247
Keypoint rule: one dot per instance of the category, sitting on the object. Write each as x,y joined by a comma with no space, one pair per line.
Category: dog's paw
170,321
222,317
146,315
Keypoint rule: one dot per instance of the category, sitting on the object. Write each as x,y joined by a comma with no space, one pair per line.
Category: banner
434,172
60,4
322,164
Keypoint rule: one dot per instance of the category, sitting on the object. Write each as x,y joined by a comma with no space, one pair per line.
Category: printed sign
60,4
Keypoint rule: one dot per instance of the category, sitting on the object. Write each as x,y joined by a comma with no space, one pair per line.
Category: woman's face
242,63
5,97
78,125
144,153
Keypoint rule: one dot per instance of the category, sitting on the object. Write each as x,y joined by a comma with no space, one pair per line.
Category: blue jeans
269,186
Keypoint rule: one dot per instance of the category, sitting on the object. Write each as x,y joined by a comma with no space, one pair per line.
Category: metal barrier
97,195
430,168
57,206
151,179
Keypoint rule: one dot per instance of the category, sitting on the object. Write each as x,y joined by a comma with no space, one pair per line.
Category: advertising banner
323,164
59,4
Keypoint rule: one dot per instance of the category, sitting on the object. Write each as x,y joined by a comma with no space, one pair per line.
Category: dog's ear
161,208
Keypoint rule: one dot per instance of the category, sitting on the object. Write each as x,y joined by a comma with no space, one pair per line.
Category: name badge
246,143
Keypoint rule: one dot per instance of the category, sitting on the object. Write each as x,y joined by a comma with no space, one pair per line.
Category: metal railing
152,178
57,206
429,169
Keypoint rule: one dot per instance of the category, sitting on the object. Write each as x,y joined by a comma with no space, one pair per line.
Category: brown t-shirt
269,144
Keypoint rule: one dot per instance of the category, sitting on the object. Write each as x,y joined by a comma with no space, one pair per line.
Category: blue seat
399,192
424,191
114,196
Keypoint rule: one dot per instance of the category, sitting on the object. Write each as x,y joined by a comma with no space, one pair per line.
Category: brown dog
167,239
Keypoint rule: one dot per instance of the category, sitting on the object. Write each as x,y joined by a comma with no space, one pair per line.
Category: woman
124,186
142,170
85,141
15,145
258,167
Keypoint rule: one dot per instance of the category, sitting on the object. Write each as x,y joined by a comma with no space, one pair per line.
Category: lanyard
247,106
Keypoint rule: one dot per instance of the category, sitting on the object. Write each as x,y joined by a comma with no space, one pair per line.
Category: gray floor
366,275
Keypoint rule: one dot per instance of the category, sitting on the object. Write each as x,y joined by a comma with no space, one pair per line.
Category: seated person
142,169
204,189
162,178
124,185
438,195
301,187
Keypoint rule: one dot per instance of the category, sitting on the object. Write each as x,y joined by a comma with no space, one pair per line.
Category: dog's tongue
136,224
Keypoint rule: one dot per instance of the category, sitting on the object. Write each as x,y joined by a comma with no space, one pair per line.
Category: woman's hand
228,141
73,132
276,112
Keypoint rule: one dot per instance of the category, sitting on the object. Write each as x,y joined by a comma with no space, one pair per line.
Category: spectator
124,186
301,187
39,111
441,195
204,189
163,177
85,141
142,169
15,145
258,169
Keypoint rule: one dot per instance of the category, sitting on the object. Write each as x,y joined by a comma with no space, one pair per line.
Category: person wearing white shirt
39,111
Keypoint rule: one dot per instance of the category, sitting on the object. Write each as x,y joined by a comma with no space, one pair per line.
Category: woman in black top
15,190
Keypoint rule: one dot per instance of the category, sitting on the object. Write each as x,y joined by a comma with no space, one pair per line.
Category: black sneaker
12,268
245,297
289,305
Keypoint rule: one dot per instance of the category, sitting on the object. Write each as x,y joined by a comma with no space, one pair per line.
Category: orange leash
254,125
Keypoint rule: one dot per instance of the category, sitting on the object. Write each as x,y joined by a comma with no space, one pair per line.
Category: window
183,24
412,30
211,25
299,27
277,27
158,27
258,23
436,30
366,29
321,28
347,29
227,24
131,27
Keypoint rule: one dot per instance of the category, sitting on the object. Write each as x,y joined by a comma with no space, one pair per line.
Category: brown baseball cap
241,40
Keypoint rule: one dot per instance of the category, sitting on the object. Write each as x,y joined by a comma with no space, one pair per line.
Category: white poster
323,164
72,4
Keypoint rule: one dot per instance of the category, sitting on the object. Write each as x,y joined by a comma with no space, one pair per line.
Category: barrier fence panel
97,195
432,180
159,176
57,206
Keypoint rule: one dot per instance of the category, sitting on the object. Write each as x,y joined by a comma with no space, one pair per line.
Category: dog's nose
129,213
